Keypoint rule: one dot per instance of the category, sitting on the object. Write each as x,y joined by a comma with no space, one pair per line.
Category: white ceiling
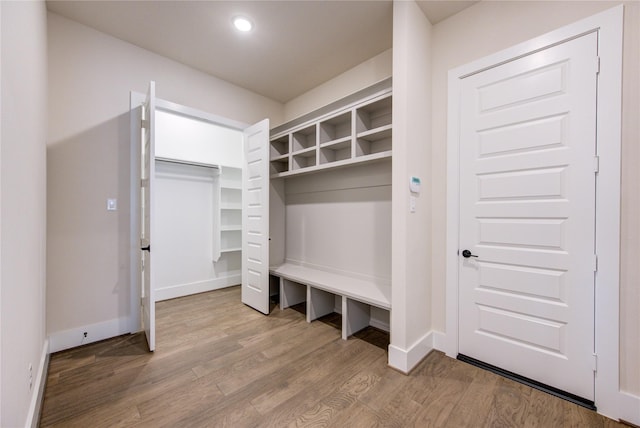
295,45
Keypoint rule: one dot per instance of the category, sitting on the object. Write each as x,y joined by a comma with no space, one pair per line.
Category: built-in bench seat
318,289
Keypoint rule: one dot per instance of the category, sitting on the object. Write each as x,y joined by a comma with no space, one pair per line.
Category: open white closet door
147,174
255,217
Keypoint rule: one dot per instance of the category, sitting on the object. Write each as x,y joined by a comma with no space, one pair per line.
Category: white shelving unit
355,134
352,132
230,210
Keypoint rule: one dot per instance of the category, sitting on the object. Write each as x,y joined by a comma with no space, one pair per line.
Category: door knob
147,248
466,254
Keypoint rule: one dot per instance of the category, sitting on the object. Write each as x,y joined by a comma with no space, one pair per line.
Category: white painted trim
405,360
74,337
37,393
629,407
180,290
608,24
199,114
137,99
135,272
439,340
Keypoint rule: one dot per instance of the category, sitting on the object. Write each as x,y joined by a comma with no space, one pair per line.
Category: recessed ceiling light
242,24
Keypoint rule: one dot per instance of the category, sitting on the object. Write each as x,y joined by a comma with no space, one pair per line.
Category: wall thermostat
414,184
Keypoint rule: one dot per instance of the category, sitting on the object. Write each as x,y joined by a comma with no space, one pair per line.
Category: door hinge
144,182
144,124
596,164
595,362
597,65
595,262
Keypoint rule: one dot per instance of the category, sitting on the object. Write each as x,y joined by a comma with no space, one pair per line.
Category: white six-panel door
527,211
255,217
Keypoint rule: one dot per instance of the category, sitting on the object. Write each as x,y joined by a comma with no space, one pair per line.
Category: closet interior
197,223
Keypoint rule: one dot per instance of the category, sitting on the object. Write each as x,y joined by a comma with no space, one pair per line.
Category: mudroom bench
319,288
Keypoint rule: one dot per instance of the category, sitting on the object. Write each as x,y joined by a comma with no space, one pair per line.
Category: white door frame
136,99
608,397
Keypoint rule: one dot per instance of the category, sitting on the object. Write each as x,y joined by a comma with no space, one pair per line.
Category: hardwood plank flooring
220,363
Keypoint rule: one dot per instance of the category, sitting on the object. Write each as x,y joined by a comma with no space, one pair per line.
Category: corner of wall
405,360
411,243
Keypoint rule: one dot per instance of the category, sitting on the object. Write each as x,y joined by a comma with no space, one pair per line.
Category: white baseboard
439,341
181,290
628,408
67,339
37,392
405,360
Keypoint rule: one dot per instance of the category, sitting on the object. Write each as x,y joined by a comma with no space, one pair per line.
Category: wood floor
219,363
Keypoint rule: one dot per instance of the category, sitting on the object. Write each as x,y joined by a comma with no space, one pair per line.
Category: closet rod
203,165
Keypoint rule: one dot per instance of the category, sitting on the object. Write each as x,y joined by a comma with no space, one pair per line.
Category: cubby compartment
291,293
357,132
230,240
280,165
359,303
304,138
304,159
333,152
280,146
230,197
374,117
319,303
336,129
366,147
231,178
231,219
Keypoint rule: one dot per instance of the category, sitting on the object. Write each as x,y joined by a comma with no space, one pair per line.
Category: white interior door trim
136,99
608,397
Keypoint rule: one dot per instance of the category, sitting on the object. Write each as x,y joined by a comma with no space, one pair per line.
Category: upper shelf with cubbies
360,132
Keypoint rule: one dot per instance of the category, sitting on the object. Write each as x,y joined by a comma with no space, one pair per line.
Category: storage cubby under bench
318,289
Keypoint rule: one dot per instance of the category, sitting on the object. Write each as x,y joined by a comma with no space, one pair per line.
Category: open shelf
229,216
336,150
230,250
280,146
230,227
369,147
230,239
374,115
361,132
304,139
336,128
230,206
279,165
304,159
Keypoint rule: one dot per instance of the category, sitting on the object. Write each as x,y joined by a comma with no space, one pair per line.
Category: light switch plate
112,204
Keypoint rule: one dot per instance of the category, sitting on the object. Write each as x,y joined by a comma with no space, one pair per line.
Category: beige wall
361,76
88,159
630,207
488,27
23,199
